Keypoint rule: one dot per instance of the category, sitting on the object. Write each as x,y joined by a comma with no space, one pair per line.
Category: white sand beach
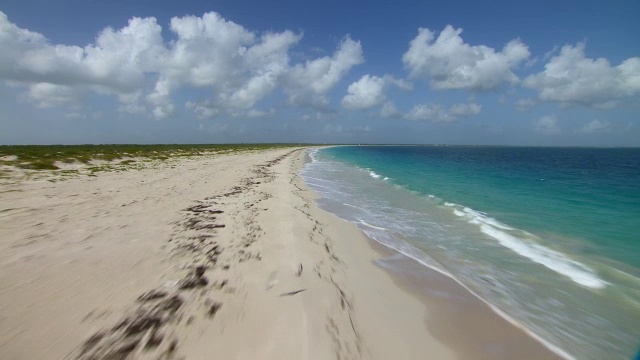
217,256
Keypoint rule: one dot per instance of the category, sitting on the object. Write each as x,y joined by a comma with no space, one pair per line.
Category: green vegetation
45,157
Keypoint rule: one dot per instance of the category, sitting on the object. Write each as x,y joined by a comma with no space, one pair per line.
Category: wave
458,212
551,259
371,226
353,206
480,218
312,155
318,185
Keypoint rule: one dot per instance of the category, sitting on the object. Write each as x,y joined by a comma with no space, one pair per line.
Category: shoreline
221,254
388,318
408,281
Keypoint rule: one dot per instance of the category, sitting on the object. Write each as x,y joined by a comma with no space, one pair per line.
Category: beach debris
213,307
299,270
203,208
155,339
142,327
291,293
201,224
152,295
214,252
146,318
194,279
221,284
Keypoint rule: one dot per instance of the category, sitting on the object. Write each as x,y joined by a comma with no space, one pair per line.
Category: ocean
549,237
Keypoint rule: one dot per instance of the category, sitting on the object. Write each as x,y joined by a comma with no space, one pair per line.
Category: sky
542,73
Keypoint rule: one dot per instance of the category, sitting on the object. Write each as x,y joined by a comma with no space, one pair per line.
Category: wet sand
457,317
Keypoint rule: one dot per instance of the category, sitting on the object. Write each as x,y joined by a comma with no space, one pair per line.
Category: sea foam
551,259
371,226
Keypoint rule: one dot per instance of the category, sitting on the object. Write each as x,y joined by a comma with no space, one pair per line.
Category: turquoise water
547,236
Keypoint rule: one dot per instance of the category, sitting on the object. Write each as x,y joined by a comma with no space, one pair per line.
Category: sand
217,256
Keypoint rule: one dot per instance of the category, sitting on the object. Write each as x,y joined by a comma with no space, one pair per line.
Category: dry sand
213,257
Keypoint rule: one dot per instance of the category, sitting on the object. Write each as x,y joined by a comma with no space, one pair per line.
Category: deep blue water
549,236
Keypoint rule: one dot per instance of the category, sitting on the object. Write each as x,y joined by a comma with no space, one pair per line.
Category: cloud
525,104
547,125
449,63
309,83
239,66
465,109
429,112
369,91
365,93
571,78
437,113
389,110
319,115
204,109
114,63
131,103
144,71
595,126
82,116
401,83
48,95
160,99
254,113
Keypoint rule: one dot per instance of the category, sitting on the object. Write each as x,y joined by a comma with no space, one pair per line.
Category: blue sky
457,72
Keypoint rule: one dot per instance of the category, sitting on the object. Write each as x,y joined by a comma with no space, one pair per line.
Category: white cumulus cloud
571,78
309,83
240,67
369,91
364,93
144,71
116,61
450,63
